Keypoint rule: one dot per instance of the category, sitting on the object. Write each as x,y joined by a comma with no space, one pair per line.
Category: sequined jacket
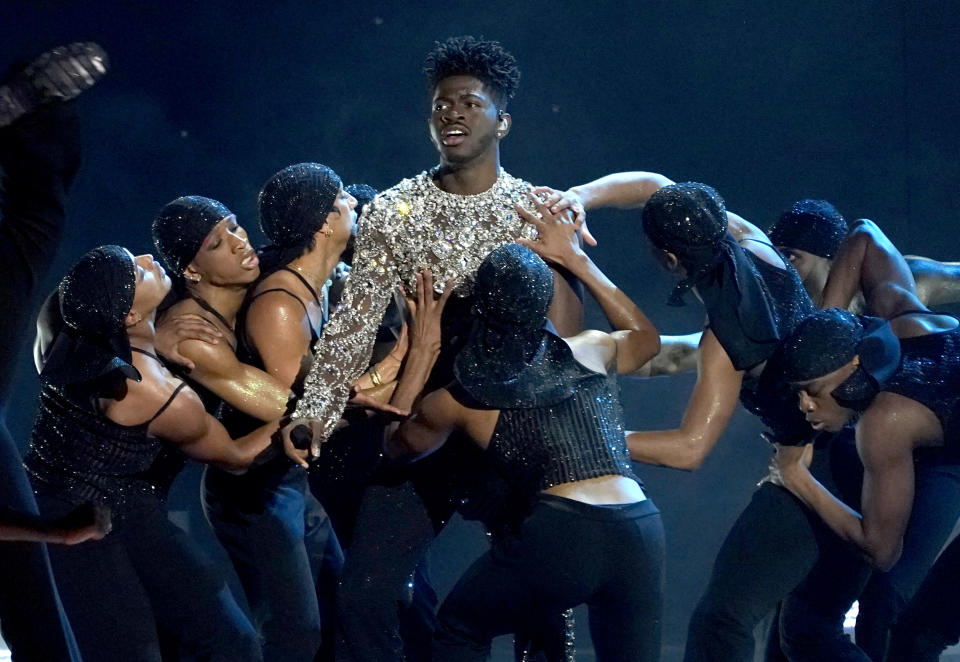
405,229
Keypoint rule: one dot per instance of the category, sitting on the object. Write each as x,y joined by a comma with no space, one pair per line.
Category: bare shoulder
892,426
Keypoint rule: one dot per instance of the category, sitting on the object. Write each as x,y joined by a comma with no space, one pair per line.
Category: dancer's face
816,401
226,256
152,284
464,120
805,263
342,219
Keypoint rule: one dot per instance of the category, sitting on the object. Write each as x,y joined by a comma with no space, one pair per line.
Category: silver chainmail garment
407,228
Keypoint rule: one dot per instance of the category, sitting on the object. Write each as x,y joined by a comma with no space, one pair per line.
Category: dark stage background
856,102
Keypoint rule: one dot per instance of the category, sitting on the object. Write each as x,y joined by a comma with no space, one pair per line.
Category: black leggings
566,553
146,573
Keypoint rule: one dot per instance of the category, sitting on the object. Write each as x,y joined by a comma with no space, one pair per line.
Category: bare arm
427,429
635,340
869,262
885,445
677,354
200,436
621,190
713,401
280,331
249,389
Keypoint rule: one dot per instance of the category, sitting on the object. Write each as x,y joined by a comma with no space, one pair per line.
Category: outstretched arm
868,261
713,401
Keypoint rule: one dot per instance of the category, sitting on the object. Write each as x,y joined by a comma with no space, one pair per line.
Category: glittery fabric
814,226
509,360
294,203
768,395
180,228
94,299
405,229
97,293
929,372
85,457
578,438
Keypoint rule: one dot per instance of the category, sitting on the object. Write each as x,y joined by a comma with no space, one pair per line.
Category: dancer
276,533
898,379
545,409
448,219
107,406
815,237
39,157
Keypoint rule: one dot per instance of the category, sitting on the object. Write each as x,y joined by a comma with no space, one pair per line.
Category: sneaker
58,75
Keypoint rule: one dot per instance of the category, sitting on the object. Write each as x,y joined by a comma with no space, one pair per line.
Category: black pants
932,620
566,553
779,551
147,574
936,509
39,155
284,551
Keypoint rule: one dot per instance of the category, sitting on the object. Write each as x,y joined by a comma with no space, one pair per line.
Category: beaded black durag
814,226
95,297
829,339
293,205
690,221
180,228
513,357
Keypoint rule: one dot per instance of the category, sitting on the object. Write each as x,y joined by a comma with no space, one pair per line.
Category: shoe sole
60,74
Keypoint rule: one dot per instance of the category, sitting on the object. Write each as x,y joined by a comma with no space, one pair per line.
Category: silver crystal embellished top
405,229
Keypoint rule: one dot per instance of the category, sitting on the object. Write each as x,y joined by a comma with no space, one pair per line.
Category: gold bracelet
375,376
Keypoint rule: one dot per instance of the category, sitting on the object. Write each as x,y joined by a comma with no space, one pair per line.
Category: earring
327,232
194,279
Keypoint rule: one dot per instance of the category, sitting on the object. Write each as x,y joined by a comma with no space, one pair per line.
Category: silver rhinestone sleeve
343,352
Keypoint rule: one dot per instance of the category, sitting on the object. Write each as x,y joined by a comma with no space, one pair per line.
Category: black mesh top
578,438
929,373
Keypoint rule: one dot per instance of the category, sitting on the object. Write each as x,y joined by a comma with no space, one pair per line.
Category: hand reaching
173,330
558,201
558,239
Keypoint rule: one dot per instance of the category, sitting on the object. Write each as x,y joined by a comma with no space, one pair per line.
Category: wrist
583,195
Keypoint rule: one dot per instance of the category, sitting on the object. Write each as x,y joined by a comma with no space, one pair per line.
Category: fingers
588,238
528,216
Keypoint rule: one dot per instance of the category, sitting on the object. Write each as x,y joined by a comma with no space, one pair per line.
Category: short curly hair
487,61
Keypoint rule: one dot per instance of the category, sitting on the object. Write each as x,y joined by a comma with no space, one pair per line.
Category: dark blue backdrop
855,102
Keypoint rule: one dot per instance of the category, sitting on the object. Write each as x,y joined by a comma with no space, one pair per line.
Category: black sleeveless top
82,456
578,438
929,372
768,396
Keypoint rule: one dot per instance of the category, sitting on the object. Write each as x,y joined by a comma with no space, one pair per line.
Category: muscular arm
713,401
200,436
244,387
938,283
621,190
869,262
279,330
885,444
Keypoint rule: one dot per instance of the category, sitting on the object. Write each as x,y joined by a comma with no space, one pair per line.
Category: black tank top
929,372
83,456
768,396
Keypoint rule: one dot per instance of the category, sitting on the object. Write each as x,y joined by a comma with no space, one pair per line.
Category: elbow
884,557
691,459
